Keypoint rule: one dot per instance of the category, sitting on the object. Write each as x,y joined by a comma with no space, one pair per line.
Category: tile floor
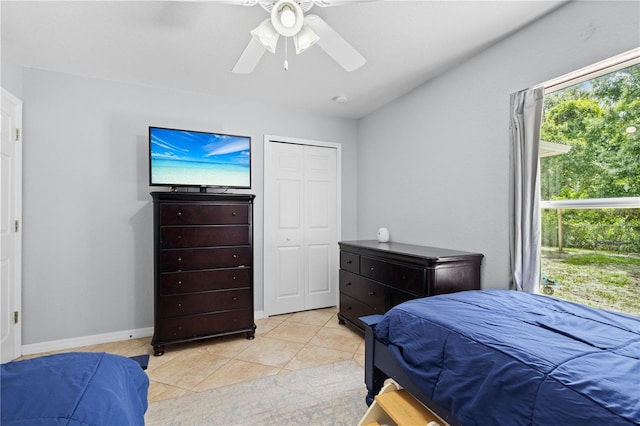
282,343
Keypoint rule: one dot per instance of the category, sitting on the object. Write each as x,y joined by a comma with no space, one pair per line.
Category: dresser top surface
416,251
200,196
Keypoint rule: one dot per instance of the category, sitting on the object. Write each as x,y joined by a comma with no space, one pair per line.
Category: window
590,186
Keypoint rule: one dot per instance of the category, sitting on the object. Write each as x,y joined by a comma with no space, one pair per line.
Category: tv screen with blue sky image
191,158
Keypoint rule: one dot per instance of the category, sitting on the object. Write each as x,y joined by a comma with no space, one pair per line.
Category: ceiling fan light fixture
266,35
305,39
287,17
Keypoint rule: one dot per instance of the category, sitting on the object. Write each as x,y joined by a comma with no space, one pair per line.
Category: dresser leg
251,334
158,350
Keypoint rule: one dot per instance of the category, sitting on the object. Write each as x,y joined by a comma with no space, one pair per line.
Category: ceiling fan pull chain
286,60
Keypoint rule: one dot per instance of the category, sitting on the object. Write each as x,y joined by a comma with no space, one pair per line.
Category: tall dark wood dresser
203,266
374,277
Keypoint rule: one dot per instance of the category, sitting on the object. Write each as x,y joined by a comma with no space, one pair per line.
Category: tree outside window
590,191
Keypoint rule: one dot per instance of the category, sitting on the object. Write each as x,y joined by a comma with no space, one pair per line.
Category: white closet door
320,224
301,230
283,244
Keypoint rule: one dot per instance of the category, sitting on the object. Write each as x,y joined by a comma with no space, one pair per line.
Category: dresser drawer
204,236
397,296
367,291
374,268
207,214
407,278
352,309
200,303
350,262
404,277
193,326
198,281
204,258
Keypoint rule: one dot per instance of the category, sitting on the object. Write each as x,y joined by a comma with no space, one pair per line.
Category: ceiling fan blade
327,3
238,2
335,46
249,58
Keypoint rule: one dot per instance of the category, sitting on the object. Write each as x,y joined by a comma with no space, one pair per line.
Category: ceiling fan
287,18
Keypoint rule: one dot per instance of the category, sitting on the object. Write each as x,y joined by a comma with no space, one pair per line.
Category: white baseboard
96,339
76,342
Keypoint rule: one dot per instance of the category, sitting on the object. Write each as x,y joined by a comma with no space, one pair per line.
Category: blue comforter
73,389
500,357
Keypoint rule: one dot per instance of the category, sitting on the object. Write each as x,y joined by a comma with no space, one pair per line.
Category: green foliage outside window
600,119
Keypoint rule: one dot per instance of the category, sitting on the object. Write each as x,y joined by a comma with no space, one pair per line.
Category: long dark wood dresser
375,276
203,266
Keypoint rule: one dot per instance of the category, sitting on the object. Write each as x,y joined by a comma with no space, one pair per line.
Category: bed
73,389
501,357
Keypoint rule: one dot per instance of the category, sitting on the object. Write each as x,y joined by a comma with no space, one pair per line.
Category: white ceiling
193,46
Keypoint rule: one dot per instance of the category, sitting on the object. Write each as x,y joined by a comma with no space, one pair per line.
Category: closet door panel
301,216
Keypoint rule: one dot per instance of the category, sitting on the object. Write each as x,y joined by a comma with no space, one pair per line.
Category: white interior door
10,216
283,229
320,227
301,226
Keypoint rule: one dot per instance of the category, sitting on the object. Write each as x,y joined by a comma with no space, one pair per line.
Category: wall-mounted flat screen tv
204,159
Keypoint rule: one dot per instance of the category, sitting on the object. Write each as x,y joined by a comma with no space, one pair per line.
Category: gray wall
87,260
433,165
10,76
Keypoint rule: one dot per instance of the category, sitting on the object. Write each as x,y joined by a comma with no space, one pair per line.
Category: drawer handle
235,256
234,277
349,262
235,299
372,268
234,214
404,277
179,259
349,283
179,305
372,293
348,308
179,214
179,282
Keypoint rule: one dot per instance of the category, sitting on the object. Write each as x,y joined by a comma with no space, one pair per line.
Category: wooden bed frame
380,364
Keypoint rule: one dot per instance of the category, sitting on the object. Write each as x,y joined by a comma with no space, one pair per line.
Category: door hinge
16,317
17,134
16,226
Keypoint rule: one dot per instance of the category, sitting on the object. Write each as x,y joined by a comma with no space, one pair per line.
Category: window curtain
524,191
